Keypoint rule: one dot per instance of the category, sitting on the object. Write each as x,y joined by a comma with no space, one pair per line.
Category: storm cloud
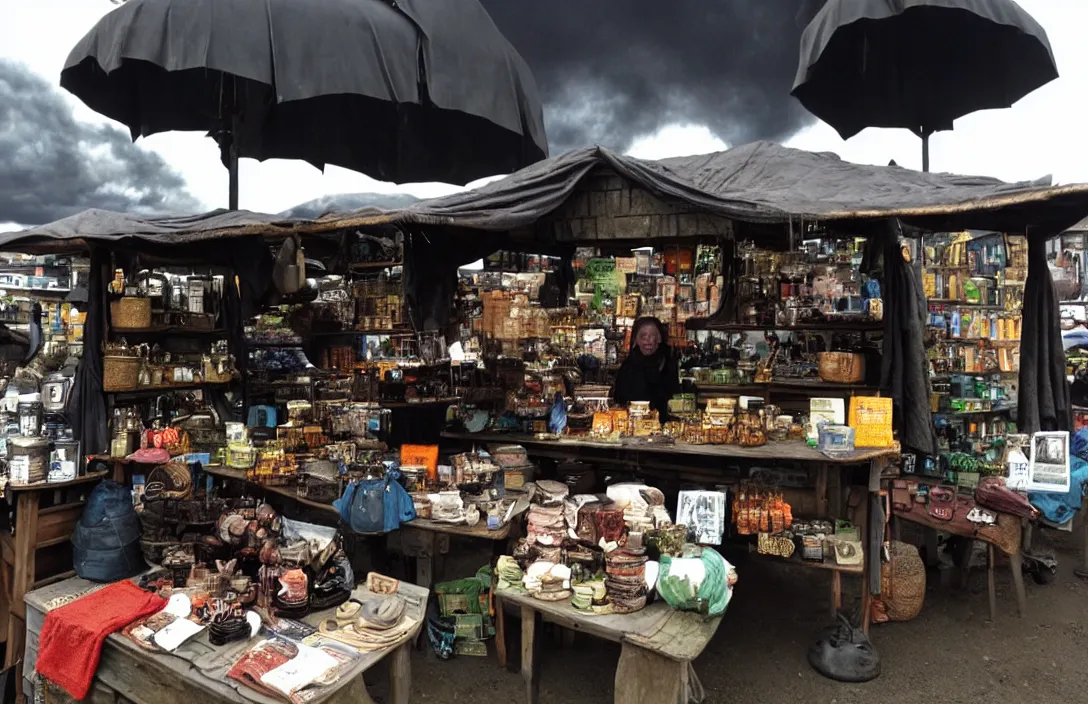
53,166
611,72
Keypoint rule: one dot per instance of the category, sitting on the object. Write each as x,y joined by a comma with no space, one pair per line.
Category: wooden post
990,587
822,501
1016,564
530,654
500,633
645,676
836,593
26,529
400,675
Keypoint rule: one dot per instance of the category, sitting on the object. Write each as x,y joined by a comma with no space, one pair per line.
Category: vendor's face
648,339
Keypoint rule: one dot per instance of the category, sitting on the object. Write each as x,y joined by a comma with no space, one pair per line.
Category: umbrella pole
232,169
925,151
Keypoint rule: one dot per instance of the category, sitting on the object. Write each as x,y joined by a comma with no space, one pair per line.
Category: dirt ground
951,653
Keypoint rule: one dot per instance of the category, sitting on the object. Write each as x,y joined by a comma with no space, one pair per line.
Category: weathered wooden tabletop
197,671
791,450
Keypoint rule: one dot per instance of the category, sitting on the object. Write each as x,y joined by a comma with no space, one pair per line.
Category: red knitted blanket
72,636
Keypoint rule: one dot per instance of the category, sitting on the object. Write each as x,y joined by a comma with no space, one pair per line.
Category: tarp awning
761,182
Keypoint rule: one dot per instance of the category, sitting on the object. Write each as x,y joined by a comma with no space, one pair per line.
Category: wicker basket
120,373
908,577
131,313
842,367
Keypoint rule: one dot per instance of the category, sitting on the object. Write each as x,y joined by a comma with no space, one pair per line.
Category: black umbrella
412,90
918,64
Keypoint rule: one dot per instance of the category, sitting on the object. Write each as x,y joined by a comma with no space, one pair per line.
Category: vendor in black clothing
650,372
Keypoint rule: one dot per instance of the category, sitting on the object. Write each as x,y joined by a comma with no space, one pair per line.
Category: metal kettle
55,389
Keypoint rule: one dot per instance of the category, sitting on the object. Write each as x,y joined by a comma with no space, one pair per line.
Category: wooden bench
196,672
658,646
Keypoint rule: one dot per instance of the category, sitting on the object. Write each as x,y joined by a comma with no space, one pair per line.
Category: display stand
196,672
45,517
422,539
658,645
637,455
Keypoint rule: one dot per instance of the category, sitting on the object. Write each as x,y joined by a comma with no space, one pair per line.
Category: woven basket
131,313
842,367
908,578
120,373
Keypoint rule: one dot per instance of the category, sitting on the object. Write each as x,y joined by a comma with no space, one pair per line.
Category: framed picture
1048,470
703,512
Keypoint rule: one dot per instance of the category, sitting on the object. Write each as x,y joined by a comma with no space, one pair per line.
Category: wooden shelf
796,560
785,385
831,326
421,403
785,450
166,388
166,329
370,266
391,332
49,486
477,531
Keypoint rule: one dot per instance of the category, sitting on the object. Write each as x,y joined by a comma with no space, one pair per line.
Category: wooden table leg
1016,565
425,571
400,675
990,581
964,550
822,502
645,676
836,593
1082,571
500,633
26,530
530,654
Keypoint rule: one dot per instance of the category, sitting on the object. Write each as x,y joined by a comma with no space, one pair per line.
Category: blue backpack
375,505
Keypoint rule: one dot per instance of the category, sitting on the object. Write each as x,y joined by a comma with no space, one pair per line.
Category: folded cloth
72,636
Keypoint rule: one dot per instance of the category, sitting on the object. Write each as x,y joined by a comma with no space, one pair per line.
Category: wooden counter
789,450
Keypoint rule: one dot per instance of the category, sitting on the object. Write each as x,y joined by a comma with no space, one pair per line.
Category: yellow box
871,419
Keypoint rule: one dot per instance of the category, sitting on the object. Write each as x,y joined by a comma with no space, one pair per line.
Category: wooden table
658,646
422,539
635,455
1005,536
46,514
196,672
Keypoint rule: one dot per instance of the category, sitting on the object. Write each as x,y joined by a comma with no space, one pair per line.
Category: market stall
348,375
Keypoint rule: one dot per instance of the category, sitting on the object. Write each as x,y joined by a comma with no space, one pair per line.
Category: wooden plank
56,523
1016,565
612,627
51,486
822,502
990,586
530,654
26,528
400,674
645,677
682,637
786,450
53,580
